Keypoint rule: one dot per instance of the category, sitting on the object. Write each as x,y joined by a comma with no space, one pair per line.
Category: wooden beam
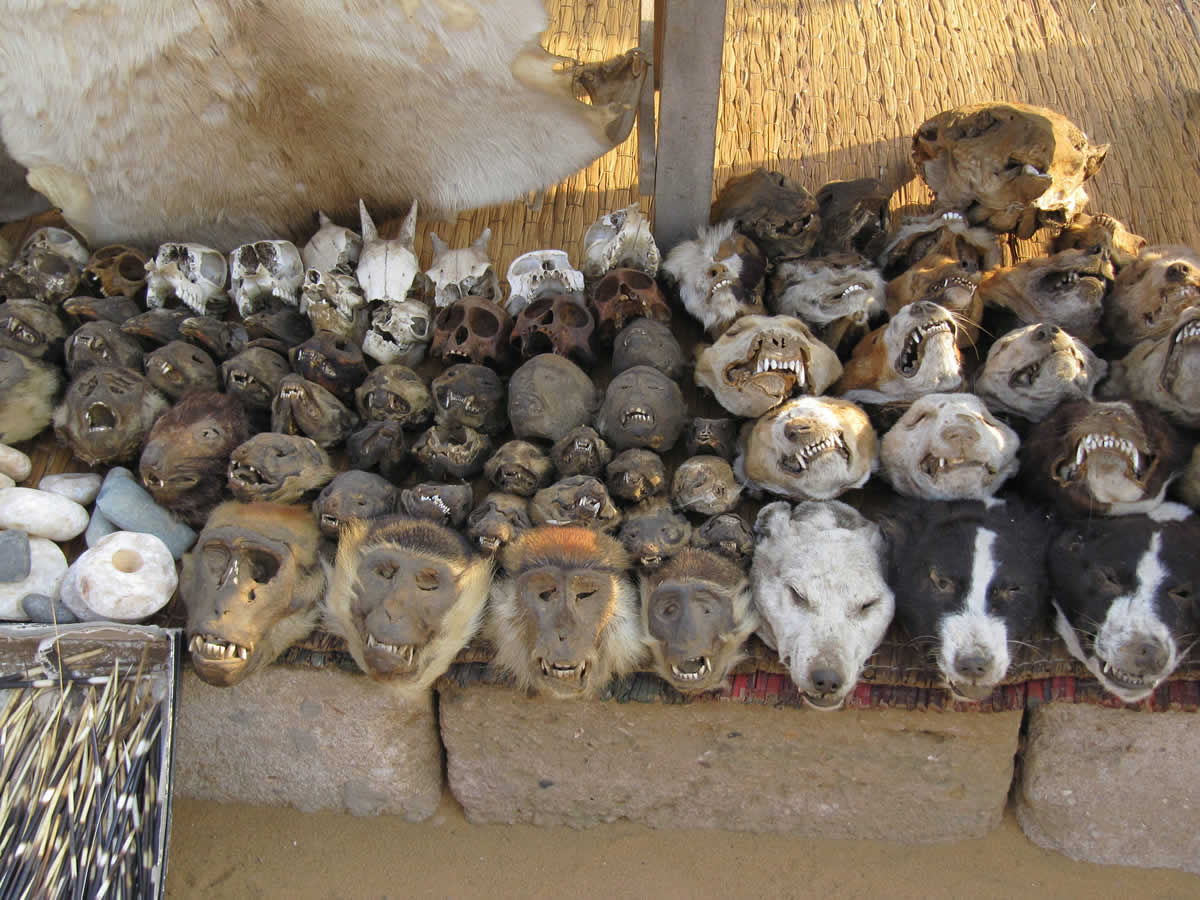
647,119
693,37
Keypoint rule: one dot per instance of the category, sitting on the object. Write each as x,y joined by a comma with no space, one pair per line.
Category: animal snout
972,665
826,681
1046,332
1146,657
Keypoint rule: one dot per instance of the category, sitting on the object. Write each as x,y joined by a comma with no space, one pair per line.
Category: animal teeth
1188,332
559,670
407,652
1122,675
692,676
213,648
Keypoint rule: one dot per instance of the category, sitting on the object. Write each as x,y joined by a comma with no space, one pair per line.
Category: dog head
825,610
1164,371
1126,594
913,354
1031,370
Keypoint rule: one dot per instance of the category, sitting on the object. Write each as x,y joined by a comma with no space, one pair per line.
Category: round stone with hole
125,577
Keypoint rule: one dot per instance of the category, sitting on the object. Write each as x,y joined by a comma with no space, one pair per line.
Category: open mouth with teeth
435,501
564,673
17,330
452,399
330,522
936,466
1109,446
725,283
779,370
1127,680
245,474
802,459
489,543
693,669
100,417
392,658
918,341
637,418
293,392
1182,358
952,292
209,648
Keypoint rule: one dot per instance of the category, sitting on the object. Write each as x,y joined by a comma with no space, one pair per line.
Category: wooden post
693,36
647,117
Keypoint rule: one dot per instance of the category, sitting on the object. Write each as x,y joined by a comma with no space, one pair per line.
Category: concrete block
1112,785
878,774
309,738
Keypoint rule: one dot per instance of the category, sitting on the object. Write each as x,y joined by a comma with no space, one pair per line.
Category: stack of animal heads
406,595
250,587
564,617
696,617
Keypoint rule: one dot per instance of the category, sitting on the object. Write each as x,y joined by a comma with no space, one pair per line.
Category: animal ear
367,224
439,246
1095,160
481,242
769,516
408,229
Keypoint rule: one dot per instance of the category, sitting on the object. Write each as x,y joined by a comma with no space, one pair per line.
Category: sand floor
244,851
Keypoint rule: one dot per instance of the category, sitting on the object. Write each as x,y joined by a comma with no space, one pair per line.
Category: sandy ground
245,851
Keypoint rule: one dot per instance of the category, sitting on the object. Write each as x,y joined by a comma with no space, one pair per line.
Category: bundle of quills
882,420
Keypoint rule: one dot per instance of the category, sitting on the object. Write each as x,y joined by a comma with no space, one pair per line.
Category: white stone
126,577
42,513
82,487
15,464
5,481
47,565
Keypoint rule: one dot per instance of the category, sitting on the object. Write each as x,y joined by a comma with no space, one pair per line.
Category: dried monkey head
728,535
331,361
761,361
1150,294
645,342
187,451
564,618
653,532
720,276
635,475
854,217
406,595
548,396
280,326
705,485
1164,371
107,413
696,617
471,395
1066,289
519,467
379,445
446,504
277,468
395,393
30,387
95,309
179,368
1101,232
949,447
581,451
254,376
250,587
578,500
779,214
353,494
1101,458
1010,166
497,521
913,354
304,407
812,448
156,327
452,451
101,344
1031,370
712,436
31,327
642,408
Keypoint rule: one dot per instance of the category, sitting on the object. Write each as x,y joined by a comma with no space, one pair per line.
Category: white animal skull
400,333
334,301
262,270
332,245
466,272
49,264
387,269
192,272
540,272
621,239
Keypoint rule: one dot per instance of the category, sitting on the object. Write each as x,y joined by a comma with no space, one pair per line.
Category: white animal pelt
227,121
31,388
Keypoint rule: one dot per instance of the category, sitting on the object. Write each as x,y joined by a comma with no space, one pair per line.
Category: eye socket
263,566
798,599
669,610
386,571
584,595
547,595
867,606
1181,594
427,580
941,582
919,419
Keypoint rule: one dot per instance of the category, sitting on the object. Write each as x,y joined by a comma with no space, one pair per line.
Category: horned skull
388,270
331,246
466,272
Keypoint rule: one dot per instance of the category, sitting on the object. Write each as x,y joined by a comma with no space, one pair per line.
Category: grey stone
130,507
47,610
14,555
309,738
883,774
98,527
1112,785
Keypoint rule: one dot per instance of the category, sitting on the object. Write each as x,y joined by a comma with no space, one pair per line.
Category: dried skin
353,494
705,485
446,504
579,500
946,234
101,344
254,376
379,445
1150,293
719,276
303,407
107,413
331,361
1086,232
31,388
854,217
717,437
642,408
728,535
779,214
1031,370
156,327
548,396
519,467
645,342
653,532
1164,372
581,451
452,451
277,468
636,475
250,586
470,395
31,327
178,369
394,393
945,281
497,521
222,340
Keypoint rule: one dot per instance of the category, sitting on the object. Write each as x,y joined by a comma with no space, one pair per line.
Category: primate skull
264,270
400,333
191,273
540,272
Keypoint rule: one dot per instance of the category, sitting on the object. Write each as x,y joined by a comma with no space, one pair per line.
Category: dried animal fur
29,388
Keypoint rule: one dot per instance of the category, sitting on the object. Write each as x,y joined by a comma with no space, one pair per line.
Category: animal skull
334,301
387,270
263,270
540,272
331,246
48,267
193,273
466,272
621,239
119,270
401,331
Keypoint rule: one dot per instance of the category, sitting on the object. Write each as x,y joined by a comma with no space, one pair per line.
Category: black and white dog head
970,579
1125,591
819,586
